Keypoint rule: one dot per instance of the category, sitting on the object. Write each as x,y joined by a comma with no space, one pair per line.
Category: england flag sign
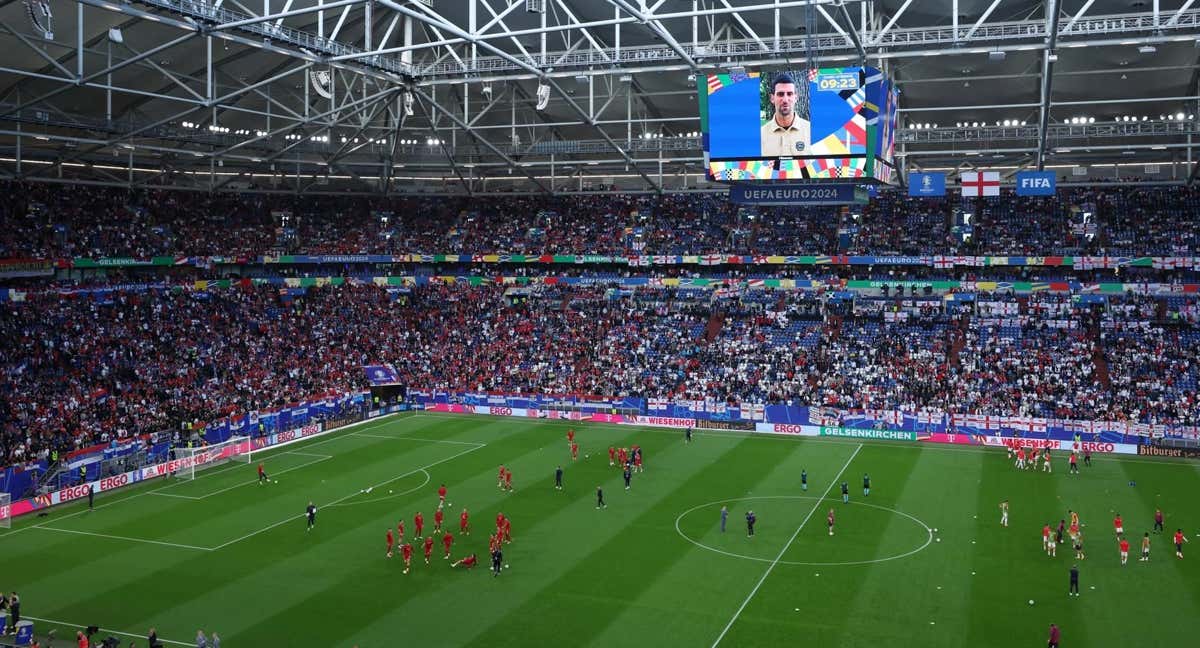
980,183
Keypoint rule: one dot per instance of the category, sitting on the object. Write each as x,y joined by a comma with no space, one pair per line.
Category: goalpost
195,459
5,511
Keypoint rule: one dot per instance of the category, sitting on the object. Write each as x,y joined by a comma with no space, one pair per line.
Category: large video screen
826,124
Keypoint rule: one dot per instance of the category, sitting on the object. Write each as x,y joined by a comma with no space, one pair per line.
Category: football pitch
921,561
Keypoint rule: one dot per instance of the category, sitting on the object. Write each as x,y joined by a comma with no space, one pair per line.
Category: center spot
864,532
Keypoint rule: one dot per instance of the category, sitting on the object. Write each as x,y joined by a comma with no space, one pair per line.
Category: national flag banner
1037,425
930,418
381,374
979,183
943,262
711,259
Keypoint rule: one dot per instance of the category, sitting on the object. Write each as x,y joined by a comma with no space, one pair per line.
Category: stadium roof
231,93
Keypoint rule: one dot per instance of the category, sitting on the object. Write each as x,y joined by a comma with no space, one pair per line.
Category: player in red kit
507,530
570,437
637,460
622,456
463,527
1118,526
418,525
406,553
1020,457
1179,540
1124,546
390,542
400,531
612,456
1046,539
447,540
574,451
508,480
438,516
441,495
428,548
262,475
468,562
500,479
499,523
493,542
829,521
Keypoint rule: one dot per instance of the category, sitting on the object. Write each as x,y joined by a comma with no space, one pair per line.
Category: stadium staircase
1098,360
833,327
957,337
713,329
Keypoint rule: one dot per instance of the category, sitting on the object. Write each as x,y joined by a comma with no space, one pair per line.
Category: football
1031,601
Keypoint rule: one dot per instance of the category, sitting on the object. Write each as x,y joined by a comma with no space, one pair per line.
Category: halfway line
785,546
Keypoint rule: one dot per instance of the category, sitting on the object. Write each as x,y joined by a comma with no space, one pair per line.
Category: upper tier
58,221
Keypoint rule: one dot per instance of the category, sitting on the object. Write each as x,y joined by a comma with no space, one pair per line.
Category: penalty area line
343,499
782,551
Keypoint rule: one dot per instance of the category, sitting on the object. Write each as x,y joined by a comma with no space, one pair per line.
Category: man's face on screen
784,99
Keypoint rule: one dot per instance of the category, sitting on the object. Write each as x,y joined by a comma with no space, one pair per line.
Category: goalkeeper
262,475
311,512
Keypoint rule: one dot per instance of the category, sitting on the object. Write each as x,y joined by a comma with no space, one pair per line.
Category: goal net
193,460
5,511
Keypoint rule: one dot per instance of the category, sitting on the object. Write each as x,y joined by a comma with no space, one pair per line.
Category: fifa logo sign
1035,183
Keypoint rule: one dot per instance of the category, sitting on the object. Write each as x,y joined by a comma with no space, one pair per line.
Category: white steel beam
982,19
1179,14
745,27
586,34
286,13
1079,14
896,16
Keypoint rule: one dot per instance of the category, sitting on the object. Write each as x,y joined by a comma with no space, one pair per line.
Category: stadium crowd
55,221
79,370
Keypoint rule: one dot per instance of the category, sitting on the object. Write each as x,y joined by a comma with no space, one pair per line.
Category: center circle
773,508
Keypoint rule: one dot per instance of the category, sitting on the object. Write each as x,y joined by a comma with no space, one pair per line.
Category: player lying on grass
468,562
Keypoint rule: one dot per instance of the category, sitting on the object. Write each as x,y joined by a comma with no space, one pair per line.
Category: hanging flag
926,184
381,374
980,183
